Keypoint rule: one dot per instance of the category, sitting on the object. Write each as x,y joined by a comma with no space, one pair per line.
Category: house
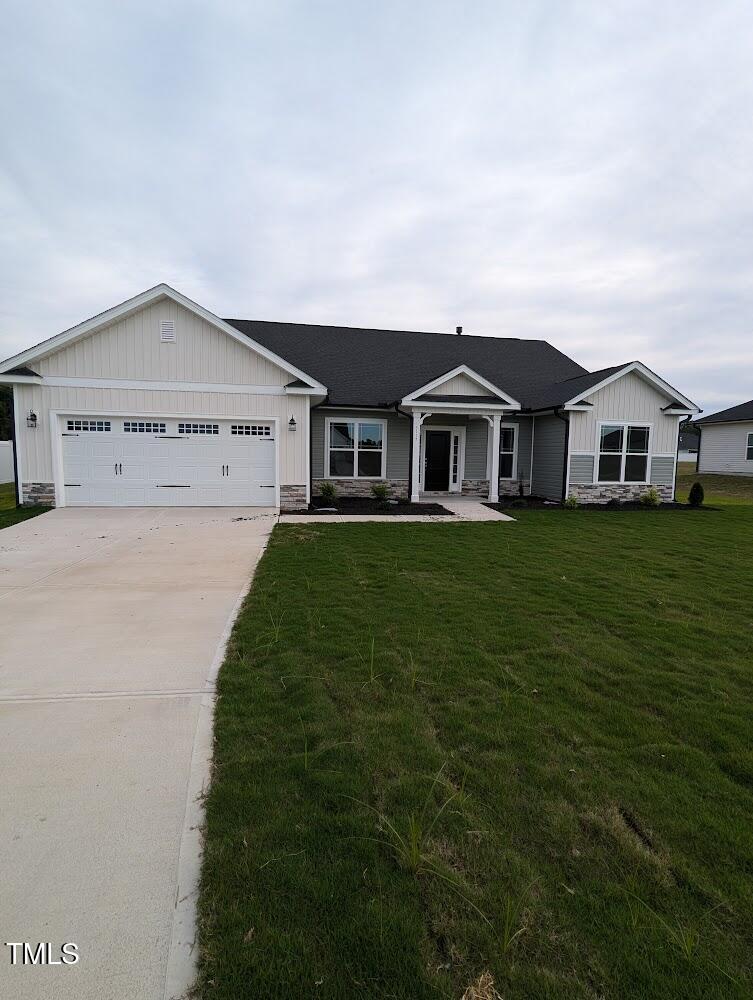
159,402
690,437
727,441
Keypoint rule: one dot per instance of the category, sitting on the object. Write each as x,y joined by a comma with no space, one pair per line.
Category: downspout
15,444
566,468
410,447
698,456
311,445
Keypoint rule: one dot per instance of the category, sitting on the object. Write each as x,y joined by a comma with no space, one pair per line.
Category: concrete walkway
112,627
463,508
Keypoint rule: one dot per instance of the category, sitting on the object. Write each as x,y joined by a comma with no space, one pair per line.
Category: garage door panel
138,468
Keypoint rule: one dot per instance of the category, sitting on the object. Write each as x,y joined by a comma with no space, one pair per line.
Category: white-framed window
356,449
749,449
143,427
198,428
508,447
623,453
251,430
89,425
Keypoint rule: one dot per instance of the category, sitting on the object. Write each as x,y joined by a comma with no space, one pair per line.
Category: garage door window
198,428
89,425
143,427
251,430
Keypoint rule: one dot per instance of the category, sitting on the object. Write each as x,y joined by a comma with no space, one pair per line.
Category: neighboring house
727,441
6,462
688,444
158,402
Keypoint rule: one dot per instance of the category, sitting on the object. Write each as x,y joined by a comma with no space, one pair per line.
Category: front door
437,465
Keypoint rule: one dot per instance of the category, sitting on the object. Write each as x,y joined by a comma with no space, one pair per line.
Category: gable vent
167,331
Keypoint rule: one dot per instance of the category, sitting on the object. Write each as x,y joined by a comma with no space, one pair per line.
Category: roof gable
462,384
125,309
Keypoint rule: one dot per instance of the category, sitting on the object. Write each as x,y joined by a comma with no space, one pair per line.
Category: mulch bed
367,505
539,503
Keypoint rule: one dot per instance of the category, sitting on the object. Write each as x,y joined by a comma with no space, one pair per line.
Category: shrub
571,503
695,497
650,498
380,492
328,491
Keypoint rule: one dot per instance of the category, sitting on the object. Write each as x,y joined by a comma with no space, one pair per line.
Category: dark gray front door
437,469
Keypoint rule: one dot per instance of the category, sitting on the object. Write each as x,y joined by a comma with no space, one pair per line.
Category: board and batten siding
459,385
629,398
398,439
36,443
548,457
724,447
131,349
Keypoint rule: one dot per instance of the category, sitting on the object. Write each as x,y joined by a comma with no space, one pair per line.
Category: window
506,452
623,453
143,427
89,425
356,449
198,428
749,449
251,430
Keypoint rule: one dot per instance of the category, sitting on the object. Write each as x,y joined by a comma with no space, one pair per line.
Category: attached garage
157,461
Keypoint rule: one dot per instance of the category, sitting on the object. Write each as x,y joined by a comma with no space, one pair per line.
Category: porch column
494,471
417,420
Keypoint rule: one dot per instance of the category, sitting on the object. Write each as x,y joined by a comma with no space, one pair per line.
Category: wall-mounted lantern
31,420
292,425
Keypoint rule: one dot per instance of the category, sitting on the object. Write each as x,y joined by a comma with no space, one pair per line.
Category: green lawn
9,513
716,488
576,691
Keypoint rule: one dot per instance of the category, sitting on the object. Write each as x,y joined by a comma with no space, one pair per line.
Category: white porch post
418,419
494,471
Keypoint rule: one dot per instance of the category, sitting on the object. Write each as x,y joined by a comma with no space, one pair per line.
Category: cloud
576,171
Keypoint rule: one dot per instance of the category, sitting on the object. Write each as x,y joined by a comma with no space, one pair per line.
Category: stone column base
292,497
38,494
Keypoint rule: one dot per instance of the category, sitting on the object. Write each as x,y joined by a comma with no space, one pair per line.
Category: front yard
518,749
9,513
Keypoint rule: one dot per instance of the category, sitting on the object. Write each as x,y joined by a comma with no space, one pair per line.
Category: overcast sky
577,172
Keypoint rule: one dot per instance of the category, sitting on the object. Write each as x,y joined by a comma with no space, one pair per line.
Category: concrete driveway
112,623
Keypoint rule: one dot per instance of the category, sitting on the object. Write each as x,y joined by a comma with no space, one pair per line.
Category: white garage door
158,462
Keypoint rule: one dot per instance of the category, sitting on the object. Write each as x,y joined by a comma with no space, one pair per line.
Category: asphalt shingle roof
743,411
379,367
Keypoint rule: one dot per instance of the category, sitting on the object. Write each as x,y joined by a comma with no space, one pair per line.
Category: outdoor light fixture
31,420
292,425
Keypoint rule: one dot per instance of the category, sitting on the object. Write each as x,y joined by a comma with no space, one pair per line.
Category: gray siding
724,448
475,449
581,469
525,426
662,470
398,439
548,457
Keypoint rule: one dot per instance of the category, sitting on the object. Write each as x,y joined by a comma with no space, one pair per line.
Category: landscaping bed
541,503
368,505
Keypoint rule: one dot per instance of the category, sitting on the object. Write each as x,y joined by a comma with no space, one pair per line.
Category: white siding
459,385
131,348
723,448
628,398
36,444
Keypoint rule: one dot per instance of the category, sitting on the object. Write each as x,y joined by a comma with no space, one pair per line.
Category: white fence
6,462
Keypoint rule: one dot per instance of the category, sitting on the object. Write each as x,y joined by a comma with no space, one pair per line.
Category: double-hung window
623,453
749,449
356,449
506,452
